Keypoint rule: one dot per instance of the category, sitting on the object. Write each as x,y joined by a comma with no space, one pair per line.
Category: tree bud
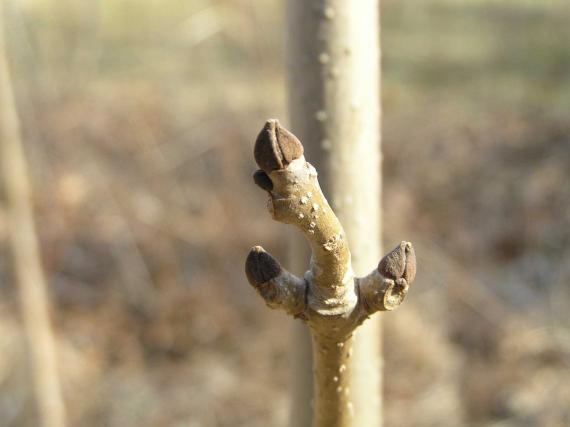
276,147
399,263
262,180
260,267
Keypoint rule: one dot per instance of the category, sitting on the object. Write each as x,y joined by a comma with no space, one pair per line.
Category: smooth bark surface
333,57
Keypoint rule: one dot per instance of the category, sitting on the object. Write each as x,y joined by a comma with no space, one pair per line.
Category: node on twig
329,297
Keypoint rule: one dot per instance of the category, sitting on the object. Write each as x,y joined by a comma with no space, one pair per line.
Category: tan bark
333,60
25,252
329,298
301,369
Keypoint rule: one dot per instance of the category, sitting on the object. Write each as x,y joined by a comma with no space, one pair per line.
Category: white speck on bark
321,116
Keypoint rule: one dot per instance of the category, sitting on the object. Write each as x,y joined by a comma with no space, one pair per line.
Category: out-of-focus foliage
139,119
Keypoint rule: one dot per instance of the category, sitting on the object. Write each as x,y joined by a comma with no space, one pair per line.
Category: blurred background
139,120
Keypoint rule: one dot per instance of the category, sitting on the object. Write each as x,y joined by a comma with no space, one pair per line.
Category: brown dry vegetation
139,119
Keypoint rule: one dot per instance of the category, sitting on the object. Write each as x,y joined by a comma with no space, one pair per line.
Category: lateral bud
262,180
260,267
276,147
399,263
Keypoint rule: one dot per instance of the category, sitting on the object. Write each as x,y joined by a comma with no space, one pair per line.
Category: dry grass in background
139,119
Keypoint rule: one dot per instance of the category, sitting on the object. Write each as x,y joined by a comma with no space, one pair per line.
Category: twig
329,298
26,256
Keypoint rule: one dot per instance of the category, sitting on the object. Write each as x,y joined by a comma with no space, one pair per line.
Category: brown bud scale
260,267
262,180
276,147
399,262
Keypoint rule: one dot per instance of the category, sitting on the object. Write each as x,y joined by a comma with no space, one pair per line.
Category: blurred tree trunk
333,56
25,253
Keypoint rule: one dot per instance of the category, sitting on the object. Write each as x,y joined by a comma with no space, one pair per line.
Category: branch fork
329,298
329,291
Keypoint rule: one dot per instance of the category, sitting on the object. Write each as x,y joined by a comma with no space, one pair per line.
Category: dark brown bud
399,263
260,267
276,147
262,180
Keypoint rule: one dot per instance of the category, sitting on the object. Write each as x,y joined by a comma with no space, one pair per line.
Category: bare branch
295,198
330,299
